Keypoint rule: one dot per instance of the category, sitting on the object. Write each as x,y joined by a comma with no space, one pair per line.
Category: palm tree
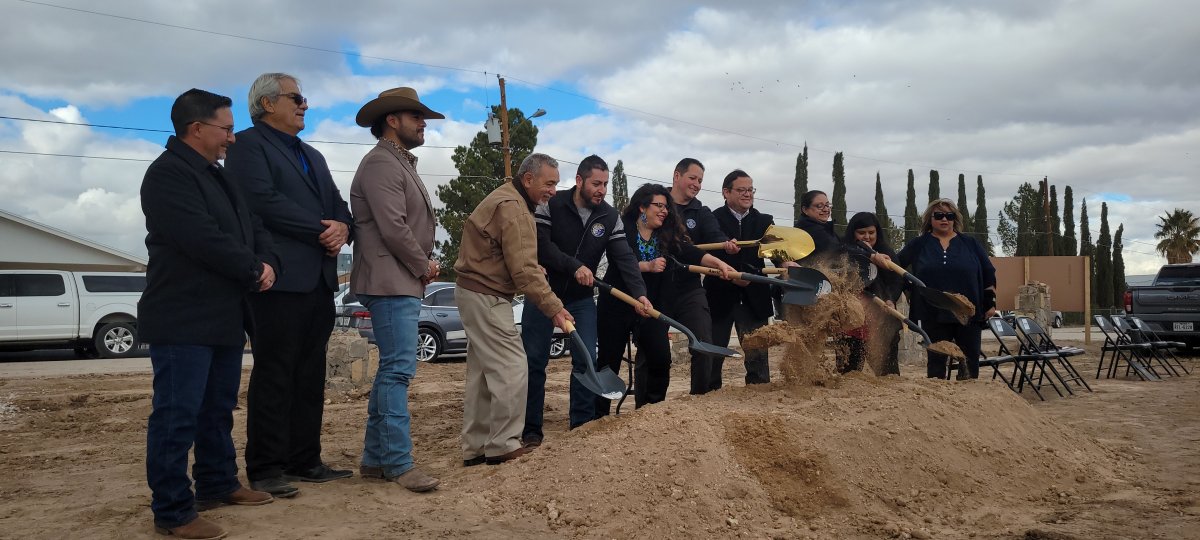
1179,236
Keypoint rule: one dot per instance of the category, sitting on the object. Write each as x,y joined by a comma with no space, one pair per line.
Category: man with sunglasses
289,186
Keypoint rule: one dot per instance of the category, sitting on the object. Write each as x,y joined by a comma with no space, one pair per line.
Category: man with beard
574,230
692,306
393,262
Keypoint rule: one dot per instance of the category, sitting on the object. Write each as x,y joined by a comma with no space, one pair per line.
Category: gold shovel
778,242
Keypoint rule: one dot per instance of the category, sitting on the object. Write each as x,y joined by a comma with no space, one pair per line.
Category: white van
93,312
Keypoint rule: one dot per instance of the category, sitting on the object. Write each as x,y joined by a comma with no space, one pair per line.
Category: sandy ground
853,457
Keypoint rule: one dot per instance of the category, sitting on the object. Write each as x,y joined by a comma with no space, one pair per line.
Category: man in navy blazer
289,186
208,252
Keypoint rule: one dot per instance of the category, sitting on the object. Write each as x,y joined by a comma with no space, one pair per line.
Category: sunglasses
296,98
948,216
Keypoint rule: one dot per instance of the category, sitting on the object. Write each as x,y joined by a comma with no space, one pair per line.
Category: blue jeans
195,390
537,330
388,440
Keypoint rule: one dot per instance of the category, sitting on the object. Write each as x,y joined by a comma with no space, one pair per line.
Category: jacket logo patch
691,223
598,230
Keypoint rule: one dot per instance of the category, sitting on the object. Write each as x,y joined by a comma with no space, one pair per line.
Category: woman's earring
643,218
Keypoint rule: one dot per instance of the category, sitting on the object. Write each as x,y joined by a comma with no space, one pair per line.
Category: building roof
32,245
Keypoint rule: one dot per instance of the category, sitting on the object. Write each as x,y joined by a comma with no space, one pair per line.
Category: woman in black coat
815,220
947,260
659,241
865,228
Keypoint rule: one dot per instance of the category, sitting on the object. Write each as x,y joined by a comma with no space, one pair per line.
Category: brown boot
244,496
496,460
196,529
415,480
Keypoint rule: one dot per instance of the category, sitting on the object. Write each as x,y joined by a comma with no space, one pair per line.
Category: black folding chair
1118,349
1149,354
1037,340
1025,365
1142,333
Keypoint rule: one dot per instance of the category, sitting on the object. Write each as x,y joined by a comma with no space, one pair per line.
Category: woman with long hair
879,331
661,245
948,260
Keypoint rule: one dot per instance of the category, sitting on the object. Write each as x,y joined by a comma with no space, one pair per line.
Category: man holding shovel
497,260
575,228
739,304
692,306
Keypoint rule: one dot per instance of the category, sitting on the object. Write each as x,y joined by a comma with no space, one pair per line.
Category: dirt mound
868,457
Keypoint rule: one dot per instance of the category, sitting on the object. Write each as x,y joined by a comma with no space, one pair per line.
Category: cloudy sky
1099,95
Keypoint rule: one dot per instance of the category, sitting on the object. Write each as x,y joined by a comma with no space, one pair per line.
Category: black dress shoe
318,474
477,460
275,486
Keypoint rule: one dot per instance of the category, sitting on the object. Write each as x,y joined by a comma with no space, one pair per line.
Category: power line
525,81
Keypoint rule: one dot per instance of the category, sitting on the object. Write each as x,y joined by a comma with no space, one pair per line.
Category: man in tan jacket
497,260
393,261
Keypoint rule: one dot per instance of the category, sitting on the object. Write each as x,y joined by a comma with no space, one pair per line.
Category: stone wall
350,362
1033,301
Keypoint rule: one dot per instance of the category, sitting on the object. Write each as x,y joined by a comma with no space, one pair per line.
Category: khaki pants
497,376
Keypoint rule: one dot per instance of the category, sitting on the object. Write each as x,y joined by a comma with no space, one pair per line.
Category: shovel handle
744,276
889,309
721,245
891,265
620,295
774,271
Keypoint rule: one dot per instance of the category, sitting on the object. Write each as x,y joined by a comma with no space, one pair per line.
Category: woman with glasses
816,221
948,260
660,243
880,330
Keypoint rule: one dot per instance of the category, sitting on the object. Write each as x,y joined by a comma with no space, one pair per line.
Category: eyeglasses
658,205
948,216
744,190
228,129
822,206
296,98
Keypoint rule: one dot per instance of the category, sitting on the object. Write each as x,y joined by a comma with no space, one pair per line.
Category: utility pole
1046,213
504,133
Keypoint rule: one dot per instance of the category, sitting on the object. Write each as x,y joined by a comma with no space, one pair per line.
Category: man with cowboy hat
393,261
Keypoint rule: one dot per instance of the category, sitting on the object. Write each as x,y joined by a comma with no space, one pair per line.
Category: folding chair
1144,334
1149,354
629,359
1037,340
1117,348
1023,373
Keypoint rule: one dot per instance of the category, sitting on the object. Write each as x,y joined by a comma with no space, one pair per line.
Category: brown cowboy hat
390,101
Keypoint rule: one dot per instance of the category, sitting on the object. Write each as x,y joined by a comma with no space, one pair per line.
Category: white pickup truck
94,313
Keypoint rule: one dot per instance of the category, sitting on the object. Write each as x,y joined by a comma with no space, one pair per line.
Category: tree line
1029,224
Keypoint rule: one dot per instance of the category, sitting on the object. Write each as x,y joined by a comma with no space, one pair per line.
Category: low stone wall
350,362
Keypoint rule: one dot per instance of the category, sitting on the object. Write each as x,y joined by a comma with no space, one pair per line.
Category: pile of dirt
875,457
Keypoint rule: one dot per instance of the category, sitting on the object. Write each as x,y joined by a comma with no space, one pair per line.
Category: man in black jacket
575,228
740,304
208,252
289,186
692,307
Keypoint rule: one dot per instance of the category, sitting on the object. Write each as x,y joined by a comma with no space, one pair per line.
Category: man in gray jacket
393,261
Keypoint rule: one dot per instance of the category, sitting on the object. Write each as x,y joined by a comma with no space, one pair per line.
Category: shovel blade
709,348
608,386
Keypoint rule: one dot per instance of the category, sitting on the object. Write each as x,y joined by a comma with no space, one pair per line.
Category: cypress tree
912,220
1086,249
800,183
1104,269
981,229
968,225
839,195
895,236
1040,244
1070,244
620,185
1060,246
1118,265
935,187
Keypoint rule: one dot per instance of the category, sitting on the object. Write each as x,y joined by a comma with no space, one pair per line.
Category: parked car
1011,318
1171,304
94,313
440,330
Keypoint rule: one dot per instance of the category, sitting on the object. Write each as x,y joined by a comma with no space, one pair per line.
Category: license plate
1182,327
